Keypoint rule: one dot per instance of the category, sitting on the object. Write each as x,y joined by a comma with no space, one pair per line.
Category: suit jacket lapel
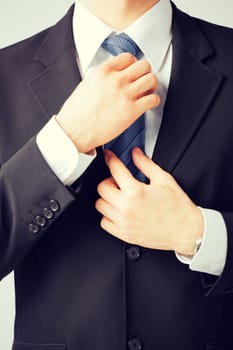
60,75
192,89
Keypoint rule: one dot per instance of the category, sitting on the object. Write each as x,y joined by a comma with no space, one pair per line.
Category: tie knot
117,44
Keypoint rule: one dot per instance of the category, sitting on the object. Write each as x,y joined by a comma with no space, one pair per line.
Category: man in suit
103,260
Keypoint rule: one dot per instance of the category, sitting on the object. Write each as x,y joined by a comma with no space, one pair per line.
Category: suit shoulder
21,52
221,40
221,37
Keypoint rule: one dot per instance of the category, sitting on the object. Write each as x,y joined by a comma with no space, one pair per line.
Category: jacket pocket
18,345
219,347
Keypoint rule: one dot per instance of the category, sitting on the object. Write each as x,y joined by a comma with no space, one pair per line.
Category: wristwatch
197,245
186,259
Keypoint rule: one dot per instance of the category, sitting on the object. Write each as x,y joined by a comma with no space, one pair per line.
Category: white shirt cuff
211,256
61,154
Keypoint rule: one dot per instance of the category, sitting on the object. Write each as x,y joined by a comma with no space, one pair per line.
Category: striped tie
135,135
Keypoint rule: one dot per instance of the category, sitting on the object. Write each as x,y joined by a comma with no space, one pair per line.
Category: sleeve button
48,214
135,344
40,221
54,206
33,228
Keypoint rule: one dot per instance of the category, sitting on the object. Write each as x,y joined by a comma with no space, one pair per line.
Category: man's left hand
158,215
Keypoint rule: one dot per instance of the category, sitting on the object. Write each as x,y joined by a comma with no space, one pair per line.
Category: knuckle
99,202
112,63
99,187
115,83
154,100
122,78
104,68
103,223
128,56
127,76
130,90
168,193
131,194
168,176
130,199
146,65
153,80
137,190
172,182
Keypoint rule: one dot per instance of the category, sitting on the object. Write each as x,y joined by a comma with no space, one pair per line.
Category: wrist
187,258
193,234
78,137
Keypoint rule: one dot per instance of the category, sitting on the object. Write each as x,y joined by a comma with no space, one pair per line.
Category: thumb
154,172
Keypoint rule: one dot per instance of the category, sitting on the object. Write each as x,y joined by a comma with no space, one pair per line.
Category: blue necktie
135,135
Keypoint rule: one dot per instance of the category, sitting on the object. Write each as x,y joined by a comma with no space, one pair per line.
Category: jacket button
135,344
133,253
33,228
54,206
48,214
40,221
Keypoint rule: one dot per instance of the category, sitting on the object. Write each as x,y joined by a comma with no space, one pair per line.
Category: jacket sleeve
31,199
223,284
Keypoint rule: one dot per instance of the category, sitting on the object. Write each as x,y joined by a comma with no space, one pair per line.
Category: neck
118,14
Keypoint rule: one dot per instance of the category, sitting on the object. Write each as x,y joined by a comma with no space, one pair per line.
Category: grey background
22,18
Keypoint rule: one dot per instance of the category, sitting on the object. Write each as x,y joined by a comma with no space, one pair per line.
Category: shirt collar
154,40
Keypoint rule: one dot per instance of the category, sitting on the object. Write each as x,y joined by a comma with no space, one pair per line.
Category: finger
146,102
108,190
120,62
111,182
119,171
146,83
150,169
138,69
106,209
110,227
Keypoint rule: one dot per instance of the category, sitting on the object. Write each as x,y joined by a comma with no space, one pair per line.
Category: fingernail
138,150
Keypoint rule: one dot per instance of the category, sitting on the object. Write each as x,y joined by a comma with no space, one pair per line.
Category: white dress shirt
155,42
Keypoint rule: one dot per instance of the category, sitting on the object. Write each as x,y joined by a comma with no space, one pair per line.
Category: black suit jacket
77,287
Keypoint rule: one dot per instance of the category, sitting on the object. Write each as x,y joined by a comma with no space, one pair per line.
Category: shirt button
133,253
40,221
135,344
33,228
48,214
54,206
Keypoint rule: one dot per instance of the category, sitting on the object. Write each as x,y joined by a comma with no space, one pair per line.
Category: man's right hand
110,98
